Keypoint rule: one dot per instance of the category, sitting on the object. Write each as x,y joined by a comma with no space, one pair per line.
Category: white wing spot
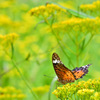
84,66
56,61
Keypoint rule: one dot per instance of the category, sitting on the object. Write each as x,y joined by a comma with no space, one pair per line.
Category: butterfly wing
64,74
81,71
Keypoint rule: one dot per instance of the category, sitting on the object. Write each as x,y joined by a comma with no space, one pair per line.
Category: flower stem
71,38
88,41
24,80
77,52
86,44
58,39
68,48
62,47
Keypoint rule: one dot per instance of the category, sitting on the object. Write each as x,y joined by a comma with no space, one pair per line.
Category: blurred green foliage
30,43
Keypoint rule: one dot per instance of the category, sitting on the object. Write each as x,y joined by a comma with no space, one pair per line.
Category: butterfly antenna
49,76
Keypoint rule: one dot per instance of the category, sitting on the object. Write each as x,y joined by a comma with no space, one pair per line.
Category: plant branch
51,86
26,83
62,47
15,65
68,48
87,43
71,38
77,52
58,40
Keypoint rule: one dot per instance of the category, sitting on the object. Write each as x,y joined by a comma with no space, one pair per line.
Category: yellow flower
8,96
78,25
4,90
88,7
14,96
5,20
20,96
1,36
2,97
93,8
97,3
84,90
5,4
11,93
97,94
11,37
45,11
6,40
41,90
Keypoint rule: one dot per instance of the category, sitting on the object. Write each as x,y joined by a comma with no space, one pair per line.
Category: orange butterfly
66,75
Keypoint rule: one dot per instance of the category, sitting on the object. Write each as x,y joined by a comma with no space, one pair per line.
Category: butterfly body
66,75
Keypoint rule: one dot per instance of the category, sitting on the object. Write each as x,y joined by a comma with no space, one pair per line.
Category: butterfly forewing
64,74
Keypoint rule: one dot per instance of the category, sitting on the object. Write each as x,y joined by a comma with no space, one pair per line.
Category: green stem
83,38
58,40
88,41
68,48
71,38
86,44
10,69
75,97
62,47
15,65
12,49
83,60
51,86
82,44
77,52
77,58
34,95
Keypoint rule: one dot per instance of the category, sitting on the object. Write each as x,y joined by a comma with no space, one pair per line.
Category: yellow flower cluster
88,94
88,89
91,8
41,89
9,93
46,11
6,4
78,25
5,20
6,40
96,96
85,93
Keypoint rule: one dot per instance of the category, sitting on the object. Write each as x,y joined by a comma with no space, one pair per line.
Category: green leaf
74,12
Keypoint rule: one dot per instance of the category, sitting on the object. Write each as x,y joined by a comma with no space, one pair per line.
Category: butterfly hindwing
81,71
64,74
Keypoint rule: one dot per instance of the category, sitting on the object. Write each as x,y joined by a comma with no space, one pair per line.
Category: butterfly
66,75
